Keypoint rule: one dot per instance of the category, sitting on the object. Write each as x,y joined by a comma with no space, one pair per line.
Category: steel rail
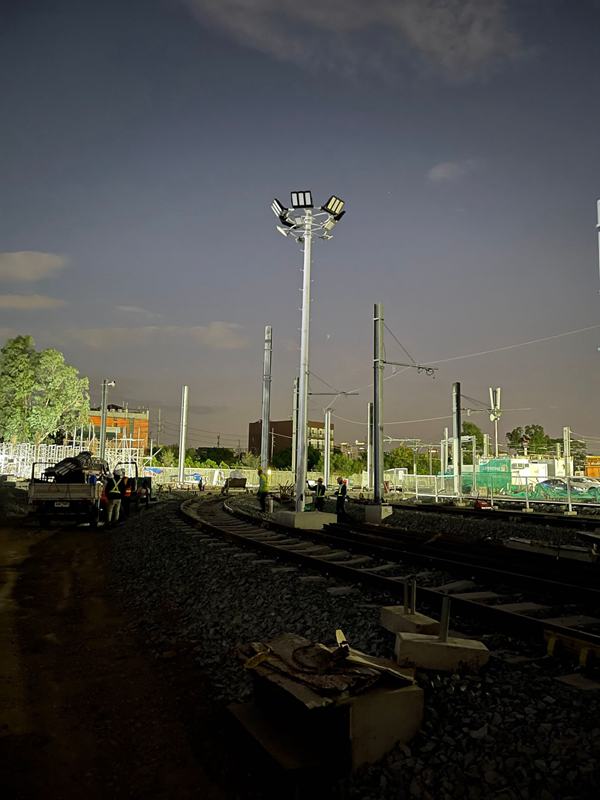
224,523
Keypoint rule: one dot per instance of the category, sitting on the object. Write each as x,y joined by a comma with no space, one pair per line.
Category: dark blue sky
141,144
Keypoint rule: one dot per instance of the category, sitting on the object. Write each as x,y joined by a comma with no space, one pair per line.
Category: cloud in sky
28,266
133,309
215,335
30,302
452,170
459,38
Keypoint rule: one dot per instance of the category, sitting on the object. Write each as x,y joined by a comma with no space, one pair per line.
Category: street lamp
302,228
105,384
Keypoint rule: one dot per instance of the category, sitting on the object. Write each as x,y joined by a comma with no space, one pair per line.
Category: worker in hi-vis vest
114,488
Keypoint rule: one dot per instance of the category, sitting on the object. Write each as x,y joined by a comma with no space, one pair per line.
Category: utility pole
495,414
266,399
370,446
486,445
159,431
327,448
182,433
103,414
294,425
378,367
456,435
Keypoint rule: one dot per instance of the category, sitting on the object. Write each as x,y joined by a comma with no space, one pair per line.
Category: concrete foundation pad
527,510
396,620
427,652
377,513
305,520
381,718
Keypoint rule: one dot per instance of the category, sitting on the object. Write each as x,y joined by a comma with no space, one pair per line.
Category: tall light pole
303,228
103,412
378,367
369,446
327,448
182,434
456,437
266,399
294,425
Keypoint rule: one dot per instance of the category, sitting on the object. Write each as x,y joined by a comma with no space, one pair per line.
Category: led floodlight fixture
278,209
281,212
335,207
302,199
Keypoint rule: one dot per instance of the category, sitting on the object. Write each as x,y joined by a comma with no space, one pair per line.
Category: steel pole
378,367
327,449
456,443
182,433
103,420
301,442
266,399
294,426
370,446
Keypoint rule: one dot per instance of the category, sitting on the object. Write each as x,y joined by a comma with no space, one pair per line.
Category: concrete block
396,620
375,514
382,718
305,520
428,652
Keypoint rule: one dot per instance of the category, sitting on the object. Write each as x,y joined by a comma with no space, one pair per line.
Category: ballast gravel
512,732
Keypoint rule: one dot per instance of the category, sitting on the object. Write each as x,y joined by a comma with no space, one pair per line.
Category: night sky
141,145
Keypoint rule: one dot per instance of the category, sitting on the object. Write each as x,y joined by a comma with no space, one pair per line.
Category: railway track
564,614
512,513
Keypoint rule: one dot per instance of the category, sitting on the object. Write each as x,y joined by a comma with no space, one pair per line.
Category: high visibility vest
263,484
114,490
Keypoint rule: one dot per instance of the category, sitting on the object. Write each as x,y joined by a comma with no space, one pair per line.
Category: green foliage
538,442
283,459
344,465
250,461
218,454
404,456
312,458
167,456
40,394
470,429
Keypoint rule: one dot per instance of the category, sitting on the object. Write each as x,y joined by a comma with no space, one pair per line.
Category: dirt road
84,711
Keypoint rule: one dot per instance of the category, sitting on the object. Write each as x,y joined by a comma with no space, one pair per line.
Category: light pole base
375,514
311,521
527,510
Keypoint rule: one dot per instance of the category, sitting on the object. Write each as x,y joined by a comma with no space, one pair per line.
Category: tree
282,459
40,394
532,436
470,429
167,455
217,454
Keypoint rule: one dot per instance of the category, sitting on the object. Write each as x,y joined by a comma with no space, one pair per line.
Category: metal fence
18,459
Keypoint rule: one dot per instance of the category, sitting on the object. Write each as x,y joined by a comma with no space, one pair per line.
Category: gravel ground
512,732
490,526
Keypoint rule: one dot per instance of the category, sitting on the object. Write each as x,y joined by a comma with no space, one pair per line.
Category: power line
513,346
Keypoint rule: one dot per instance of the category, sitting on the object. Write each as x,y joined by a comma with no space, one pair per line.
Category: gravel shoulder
85,711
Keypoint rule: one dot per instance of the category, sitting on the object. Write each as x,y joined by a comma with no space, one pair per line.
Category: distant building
353,449
131,425
592,466
280,435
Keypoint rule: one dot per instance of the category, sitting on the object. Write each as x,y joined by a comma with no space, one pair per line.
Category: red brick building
131,424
